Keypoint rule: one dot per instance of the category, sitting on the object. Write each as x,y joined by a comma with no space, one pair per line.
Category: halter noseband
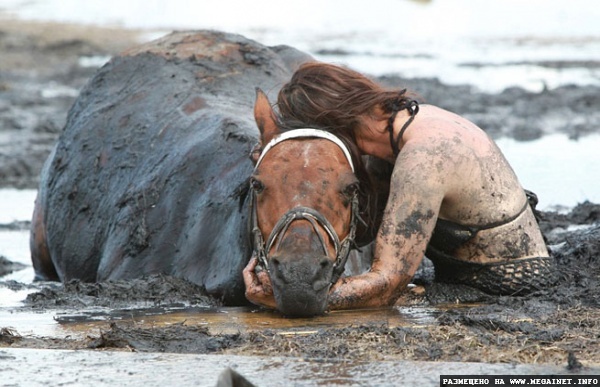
314,217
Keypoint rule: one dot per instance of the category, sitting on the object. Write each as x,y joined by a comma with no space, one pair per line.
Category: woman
453,196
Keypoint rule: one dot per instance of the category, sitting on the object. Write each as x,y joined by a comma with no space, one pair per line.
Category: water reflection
223,320
229,320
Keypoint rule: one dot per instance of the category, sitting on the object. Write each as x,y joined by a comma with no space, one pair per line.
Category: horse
305,211
151,176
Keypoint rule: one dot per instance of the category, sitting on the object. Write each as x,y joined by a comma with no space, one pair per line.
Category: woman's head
342,101
334,98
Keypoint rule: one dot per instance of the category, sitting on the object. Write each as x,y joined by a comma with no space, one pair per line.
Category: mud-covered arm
416,193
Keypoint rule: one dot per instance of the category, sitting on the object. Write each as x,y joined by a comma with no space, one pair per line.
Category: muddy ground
40,73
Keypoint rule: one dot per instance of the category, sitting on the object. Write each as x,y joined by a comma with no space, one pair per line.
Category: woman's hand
367,290
258,285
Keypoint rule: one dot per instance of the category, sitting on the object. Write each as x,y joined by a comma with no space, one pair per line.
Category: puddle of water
243,319
560,171
226,320
14,245
12,298
16,204
34,324
34,367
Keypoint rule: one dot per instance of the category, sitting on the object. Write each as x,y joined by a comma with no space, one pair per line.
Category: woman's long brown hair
334,98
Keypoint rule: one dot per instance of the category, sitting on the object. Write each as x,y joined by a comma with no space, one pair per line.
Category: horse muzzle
301,283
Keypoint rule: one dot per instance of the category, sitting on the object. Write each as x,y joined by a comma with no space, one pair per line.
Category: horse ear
264,117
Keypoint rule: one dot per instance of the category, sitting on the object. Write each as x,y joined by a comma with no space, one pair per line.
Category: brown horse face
298,183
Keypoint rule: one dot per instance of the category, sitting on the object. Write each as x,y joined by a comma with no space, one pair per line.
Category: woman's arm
417,190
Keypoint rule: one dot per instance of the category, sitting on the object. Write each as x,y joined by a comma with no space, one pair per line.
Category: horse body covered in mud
148,175
151,172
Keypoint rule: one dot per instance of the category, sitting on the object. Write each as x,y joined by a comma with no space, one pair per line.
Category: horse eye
350,190
256,185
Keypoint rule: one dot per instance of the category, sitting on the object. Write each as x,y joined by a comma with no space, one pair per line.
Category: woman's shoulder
438,118
448,133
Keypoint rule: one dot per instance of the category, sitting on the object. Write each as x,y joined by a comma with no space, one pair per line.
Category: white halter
299,133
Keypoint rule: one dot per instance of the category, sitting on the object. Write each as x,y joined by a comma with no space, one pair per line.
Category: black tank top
448,236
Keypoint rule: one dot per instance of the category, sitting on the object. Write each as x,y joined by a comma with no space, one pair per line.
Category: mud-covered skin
146,177
448,168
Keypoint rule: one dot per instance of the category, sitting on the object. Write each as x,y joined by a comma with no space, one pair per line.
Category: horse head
304,196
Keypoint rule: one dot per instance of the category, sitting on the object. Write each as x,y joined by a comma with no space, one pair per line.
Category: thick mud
558,326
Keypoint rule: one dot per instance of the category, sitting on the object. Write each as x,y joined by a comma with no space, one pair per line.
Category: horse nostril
325,263
276,267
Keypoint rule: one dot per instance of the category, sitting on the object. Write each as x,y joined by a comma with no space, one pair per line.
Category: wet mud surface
7,266
559,325
42,68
